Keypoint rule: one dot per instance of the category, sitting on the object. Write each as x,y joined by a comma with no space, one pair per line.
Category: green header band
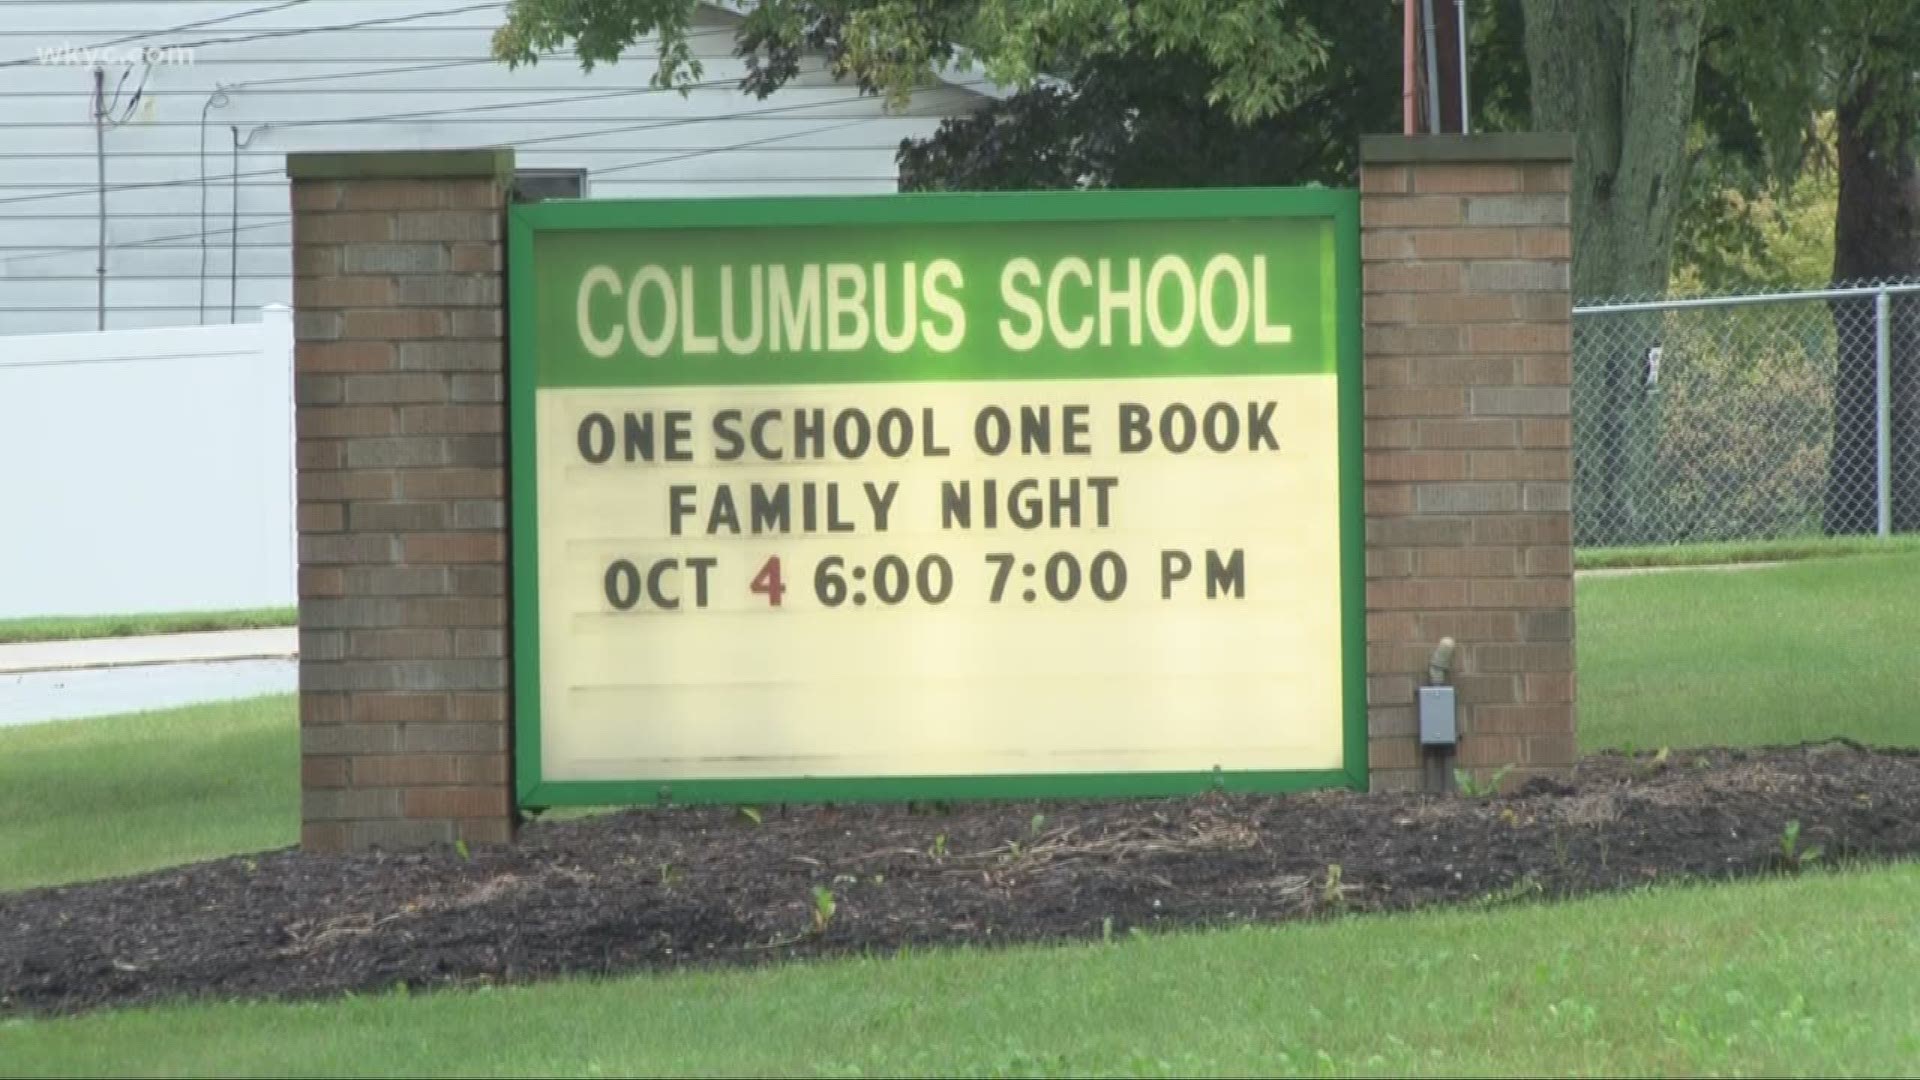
1050,286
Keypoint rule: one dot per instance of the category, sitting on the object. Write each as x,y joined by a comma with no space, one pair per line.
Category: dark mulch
651,889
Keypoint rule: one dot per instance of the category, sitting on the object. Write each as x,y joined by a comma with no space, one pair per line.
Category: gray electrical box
1438,723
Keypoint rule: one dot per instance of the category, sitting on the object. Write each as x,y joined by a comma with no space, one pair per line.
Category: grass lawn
1744,551
1774,655
69,628
1819,975
117,795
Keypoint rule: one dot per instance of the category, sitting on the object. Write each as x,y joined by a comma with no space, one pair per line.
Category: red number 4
768,581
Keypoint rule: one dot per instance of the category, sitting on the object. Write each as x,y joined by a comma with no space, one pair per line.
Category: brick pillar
1465,250
400,413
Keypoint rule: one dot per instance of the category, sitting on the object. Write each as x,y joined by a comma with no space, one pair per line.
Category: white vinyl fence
147,470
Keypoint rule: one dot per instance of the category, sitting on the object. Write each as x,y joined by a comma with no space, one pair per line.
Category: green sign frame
526,223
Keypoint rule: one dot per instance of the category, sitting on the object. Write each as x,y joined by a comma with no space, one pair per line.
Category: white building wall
147,470
188,243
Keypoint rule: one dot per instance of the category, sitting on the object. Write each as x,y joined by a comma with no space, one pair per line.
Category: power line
737,146
297,31
191,25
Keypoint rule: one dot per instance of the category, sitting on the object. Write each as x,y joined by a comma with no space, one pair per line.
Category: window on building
536,185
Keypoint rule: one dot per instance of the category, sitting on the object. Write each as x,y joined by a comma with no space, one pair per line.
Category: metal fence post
1882,402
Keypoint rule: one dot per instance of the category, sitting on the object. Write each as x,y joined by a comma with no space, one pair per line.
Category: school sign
944,496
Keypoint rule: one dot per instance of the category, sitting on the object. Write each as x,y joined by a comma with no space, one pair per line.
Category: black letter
760,422
731,444
1174,566
679,504
1073,436
991,430
956,504
700,568
1224,441
1260,426
1135,435
1185,442
660,598
855,446
900,440
596,429
679,434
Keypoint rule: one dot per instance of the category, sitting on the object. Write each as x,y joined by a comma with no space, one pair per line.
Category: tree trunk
1876,235
1619,75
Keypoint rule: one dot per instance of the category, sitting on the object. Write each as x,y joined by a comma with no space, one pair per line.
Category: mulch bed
650,889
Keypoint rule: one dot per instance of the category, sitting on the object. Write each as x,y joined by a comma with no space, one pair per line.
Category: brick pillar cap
493,162
1492,147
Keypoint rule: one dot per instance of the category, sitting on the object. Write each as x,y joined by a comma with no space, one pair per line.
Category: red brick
1393,753
1519,338
1464,243
323,836
1464,371
1523,529
452,611
1546,242
1557,749
1389,689
1476,689
320,455
1416,340
461,547
322,581
479,257
347,484
406,644
1541,593
1520,719
1376,179
399,708
406,770
1465,435
1388,308
323,772
1521,465
1389,563
480,708
1467,562
1524,658
344,421
1549,688
452,419
347,291
1390,403
1546,434
1389,434
1408,277
453,483
342,228
1477,749
315,194
322,709
1547,370
1393,626
1544,177
1414,595
1467,627
1467,179
1379,498
317,357
487,830
321,517
394,194
1414,465
1420,531
457,802
386,325
1549,561
1390,211
1471,308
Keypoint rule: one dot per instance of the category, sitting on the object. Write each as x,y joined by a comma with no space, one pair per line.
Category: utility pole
1434,72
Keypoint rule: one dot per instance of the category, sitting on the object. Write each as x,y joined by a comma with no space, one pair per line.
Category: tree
1794,60
1137,120
890,46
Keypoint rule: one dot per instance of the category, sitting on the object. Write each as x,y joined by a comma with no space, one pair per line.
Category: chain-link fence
1747,417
